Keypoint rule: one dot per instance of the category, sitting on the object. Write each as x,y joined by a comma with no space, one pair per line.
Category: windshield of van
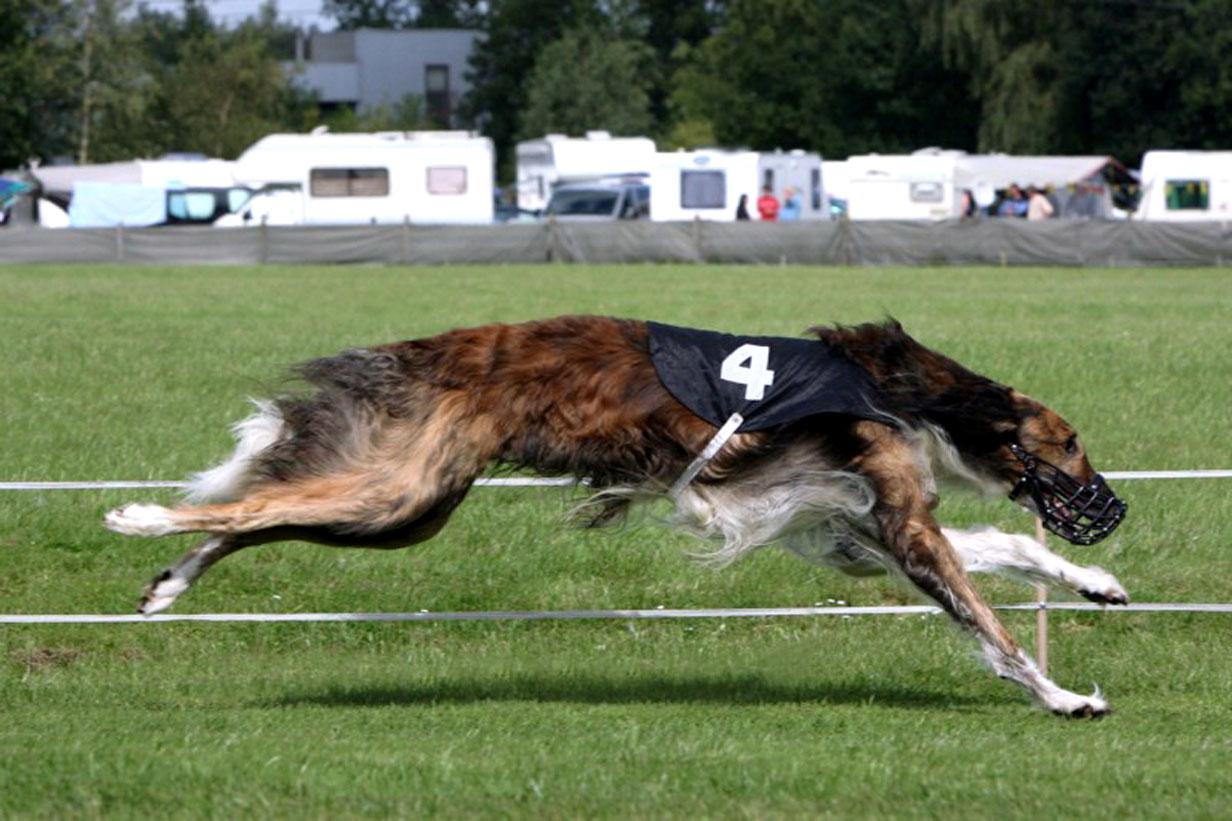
591,203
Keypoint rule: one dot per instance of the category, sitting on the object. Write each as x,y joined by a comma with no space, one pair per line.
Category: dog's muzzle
1079,513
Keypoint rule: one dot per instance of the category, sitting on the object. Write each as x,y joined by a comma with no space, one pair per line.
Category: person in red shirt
768,205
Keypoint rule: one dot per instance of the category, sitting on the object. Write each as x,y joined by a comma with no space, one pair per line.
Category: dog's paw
140,520
160,593
1073,705
1101,587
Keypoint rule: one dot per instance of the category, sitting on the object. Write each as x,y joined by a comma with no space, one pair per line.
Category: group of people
1033,204
768,207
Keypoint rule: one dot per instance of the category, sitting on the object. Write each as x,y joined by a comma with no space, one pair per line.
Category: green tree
402,14
589,79
837,76
407,114
379,14
1010,50
36,100
224,92
515,32
115,88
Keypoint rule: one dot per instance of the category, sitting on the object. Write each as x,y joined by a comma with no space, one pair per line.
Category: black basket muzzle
1079,513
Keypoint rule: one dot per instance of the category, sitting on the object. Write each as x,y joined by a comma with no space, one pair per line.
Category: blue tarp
106,205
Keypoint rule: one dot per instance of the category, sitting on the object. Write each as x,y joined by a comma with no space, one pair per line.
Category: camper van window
767,180
447,179
348,182
1187,195
815,188
192,206
703,189
927,192
237,198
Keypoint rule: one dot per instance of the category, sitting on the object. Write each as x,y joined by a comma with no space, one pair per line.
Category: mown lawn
135,373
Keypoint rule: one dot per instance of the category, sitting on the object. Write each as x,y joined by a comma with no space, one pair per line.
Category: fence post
1041,615
264,252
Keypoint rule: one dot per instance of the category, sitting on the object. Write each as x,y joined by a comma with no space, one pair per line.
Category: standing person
1014,204
792,206
966,206
742,208
1038,206
768,205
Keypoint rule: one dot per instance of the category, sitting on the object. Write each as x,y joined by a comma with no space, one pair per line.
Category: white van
560,160
427,177
1186,186
708,183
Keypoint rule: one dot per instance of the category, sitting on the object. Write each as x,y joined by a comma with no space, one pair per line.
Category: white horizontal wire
512,481
574,615
526,481
1168,474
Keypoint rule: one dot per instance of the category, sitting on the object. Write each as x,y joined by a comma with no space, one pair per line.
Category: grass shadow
647,689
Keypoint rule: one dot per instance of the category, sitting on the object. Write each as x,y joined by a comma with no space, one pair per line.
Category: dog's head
999,434
1044,465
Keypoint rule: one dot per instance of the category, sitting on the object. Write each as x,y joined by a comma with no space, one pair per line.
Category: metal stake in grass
1041,615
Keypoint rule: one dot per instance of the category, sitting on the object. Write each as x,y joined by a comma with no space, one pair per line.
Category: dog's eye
1071,444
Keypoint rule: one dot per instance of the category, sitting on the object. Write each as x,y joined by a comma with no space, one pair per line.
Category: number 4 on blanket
756,376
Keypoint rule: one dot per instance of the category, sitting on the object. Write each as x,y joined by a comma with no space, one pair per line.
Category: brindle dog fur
388,441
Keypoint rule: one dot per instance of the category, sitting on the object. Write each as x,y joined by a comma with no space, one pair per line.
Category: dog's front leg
988,550
916,544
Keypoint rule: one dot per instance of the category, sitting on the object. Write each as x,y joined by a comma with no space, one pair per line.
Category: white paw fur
140,520
1065,703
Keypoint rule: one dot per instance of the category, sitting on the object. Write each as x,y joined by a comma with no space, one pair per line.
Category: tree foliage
101,79
403,14
514,33
589,79
840,76
36,98
96,82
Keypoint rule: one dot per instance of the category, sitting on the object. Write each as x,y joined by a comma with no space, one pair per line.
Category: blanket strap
712,448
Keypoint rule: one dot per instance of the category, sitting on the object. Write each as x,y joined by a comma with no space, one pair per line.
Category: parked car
601,200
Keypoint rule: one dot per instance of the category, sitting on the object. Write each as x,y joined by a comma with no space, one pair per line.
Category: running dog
830,446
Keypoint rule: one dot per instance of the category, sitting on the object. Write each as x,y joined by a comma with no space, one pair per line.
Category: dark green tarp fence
975,242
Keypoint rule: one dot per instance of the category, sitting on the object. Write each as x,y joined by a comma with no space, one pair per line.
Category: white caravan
929,184
560,160
1186,186
708,183
432,177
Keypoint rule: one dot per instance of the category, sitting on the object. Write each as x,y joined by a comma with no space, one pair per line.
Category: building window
436,94
348,182
1187,195
703,189
447,179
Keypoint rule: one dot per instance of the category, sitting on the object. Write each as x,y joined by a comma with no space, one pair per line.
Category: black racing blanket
769,380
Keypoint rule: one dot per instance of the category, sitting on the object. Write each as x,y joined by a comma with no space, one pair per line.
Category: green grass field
136,373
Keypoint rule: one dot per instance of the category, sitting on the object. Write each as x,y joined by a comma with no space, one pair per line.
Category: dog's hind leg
164,588
167,586
915,543
1019,557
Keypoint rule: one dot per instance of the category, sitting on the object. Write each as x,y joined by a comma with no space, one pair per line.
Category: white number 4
755,376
